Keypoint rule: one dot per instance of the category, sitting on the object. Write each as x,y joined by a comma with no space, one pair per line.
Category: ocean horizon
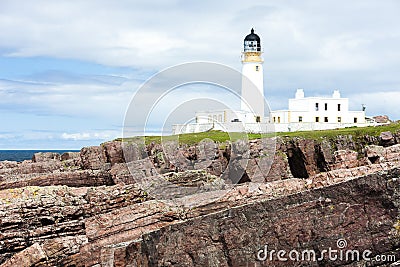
21,155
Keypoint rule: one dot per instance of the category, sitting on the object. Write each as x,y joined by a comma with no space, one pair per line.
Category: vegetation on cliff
220,137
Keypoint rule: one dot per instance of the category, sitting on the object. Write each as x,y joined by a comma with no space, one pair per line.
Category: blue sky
68,69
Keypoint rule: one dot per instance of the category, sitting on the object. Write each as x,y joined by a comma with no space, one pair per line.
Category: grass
354,131
193,138
221,137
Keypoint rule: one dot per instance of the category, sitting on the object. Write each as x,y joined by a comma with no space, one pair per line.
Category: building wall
226,127
225,116
287,116
318,110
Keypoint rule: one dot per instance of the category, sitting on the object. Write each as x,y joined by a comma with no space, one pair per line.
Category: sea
21,155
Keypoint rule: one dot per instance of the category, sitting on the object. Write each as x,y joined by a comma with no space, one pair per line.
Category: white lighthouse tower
252,83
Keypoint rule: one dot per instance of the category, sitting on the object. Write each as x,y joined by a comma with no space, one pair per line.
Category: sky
69,69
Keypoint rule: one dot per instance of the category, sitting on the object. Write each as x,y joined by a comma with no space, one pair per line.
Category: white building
224,120
316,113
304,113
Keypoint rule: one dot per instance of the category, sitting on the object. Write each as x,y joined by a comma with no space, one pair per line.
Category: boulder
27,257
93,158
45,156
345,159
381,119
393,153
374,153
8,164
386,139
132,152
70,155
114,152
132,172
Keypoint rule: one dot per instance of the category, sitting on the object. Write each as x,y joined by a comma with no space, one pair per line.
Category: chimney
299,93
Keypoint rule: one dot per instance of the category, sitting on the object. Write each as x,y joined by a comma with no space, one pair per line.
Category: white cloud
76,136
378,103
311,35
84,100
101,135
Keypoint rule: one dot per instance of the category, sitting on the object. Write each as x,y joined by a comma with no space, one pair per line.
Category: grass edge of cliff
222,137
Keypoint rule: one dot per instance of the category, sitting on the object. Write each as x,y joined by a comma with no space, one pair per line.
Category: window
279,119
326,106
326,119
257,68
316,107
339,119
338,107
258,119
355,119
316,119
300,118
274,119
220,118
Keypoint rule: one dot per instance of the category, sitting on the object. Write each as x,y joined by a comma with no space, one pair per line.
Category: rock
133,172
193,178
345,159
26,258
381,119
280,168
93,158
118,220
343,142
121,174
79,178
217,167
114,152
70,156
386,139
44,214
374,153
392,153
282,224
29,167
45,156
132,152
8,164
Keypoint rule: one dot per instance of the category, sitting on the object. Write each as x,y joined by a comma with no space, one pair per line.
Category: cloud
82,61
103,136
76,136
68,99
384,103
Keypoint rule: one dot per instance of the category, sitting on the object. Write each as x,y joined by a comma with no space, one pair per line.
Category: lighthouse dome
252,36
252,42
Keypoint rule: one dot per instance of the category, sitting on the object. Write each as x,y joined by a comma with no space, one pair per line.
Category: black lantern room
252,42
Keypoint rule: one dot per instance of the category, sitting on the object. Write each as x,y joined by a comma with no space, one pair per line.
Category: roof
252,36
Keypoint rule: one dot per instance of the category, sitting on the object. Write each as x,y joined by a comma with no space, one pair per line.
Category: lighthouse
252,80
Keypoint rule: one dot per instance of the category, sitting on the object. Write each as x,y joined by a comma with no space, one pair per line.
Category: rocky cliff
91,209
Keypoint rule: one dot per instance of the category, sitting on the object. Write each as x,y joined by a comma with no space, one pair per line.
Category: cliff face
86,209
363,211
